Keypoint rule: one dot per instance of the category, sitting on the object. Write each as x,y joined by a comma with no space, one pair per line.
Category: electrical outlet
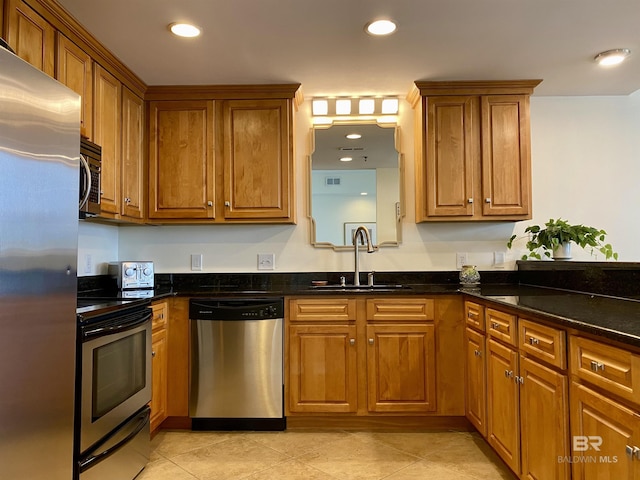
266,261
88,263
498,258
196,261
461,259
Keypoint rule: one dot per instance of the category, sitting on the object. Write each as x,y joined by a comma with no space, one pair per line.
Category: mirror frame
400,212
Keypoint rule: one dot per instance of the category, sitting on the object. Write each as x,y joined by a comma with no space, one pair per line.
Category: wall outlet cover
196,262
266,261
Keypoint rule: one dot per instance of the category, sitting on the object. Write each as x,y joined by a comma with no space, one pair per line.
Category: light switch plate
196,262
461,259
266,261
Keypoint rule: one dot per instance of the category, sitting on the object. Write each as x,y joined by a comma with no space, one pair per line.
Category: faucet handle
370,278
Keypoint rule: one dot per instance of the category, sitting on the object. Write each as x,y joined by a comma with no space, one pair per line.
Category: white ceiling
321,43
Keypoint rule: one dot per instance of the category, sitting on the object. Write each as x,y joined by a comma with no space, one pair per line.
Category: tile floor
322,455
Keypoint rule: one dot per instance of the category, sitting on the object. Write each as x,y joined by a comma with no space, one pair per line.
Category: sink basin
358,288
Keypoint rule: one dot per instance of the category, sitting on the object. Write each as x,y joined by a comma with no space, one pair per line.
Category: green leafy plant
556,232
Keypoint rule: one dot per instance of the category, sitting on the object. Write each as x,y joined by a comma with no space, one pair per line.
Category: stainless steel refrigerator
39,182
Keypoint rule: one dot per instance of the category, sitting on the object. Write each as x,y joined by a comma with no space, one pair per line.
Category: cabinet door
74,69
158,378
107,133
322,369
451,154
544,422
258,158
181,162
503,406
601,430
31,36
401,373
133,172
506,162
476,377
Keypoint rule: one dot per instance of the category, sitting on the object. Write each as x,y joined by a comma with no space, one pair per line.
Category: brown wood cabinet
221,154
181,160
476,380
257,158
30,36
159,365
133,176
107,132
472,150
74,68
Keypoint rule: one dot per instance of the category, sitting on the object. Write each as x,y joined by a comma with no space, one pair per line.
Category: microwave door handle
95,458
87,191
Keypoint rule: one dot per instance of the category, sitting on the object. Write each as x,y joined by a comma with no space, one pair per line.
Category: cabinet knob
371,341
227,203
508,373
487,200
595,366
210,203
469,200
153,353
352,341
520,380
534,341
477,353
495,326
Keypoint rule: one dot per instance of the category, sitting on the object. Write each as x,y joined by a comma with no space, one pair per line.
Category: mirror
367,190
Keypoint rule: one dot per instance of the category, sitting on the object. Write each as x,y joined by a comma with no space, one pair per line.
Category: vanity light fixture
326,110
366,106
612,57
389,106
184,30
343,106
380,27
320,107
353,136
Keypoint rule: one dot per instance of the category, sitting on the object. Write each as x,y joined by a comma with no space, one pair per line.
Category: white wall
585,167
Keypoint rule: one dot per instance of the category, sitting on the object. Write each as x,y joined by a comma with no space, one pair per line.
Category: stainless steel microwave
90,166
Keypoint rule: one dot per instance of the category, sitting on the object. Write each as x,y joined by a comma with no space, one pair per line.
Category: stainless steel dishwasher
236,380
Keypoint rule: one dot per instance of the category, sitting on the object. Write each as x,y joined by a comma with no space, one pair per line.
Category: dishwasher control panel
236,308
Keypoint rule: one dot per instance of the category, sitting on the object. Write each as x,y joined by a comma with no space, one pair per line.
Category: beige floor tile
352,458
298,442
164,470
172,443
428,470
420,444
291,470
234,458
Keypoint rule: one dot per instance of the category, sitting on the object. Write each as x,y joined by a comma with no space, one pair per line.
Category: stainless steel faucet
362,233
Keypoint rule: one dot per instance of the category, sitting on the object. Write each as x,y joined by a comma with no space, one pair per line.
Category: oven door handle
92,459
101,331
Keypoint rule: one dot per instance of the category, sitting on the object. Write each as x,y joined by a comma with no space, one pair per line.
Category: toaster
132,275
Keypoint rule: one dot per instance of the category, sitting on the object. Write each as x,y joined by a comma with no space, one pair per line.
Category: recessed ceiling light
346,159
380,27
353,136
184,30
364,193
612,57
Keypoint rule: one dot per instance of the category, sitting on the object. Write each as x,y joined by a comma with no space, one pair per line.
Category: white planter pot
562,252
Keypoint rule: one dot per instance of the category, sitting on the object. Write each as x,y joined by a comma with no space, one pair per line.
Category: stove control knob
128,272
146,271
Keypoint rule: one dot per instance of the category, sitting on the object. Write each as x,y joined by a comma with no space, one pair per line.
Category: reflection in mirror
365,190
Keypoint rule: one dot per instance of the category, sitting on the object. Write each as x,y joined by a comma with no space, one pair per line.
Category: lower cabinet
159,365
364,355
476,381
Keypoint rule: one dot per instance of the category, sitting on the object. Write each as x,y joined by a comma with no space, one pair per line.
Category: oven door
115,375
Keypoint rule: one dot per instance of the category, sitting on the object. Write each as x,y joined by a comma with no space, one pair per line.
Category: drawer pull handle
595,366
508,373
477,353
471,315
520,380
534,341
495,326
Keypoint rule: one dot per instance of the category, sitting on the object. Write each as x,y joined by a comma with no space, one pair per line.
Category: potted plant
554,240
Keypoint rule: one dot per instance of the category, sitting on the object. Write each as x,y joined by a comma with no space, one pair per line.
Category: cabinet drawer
400,309
333,309
544,343
614,369
502,326
474,315
159,320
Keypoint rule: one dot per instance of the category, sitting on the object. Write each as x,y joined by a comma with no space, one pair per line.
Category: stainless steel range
114,388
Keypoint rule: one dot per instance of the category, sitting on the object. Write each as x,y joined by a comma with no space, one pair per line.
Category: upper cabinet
221,154
30,36
74,69
473,150
133,166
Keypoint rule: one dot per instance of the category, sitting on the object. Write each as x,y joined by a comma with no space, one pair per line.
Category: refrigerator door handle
91,458
87,184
